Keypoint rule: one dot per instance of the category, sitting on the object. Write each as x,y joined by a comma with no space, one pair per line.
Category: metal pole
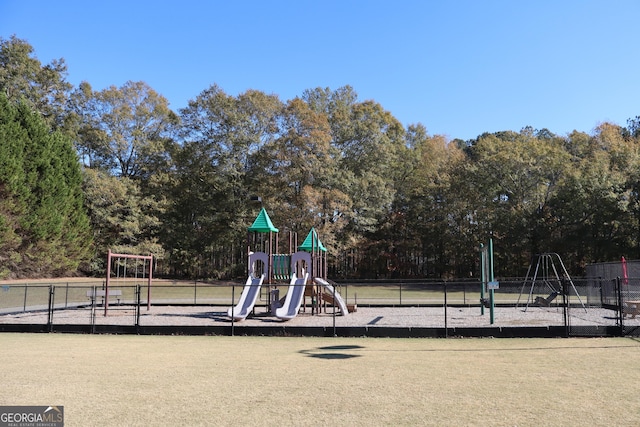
313,252
565,307
346,292
334,311
50,314
270,257
24,308
483,272
491,279
149,281
233,309
106,288
93,309
138,295
446,330
620,306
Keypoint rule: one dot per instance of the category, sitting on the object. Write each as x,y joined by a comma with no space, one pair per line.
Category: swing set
121,273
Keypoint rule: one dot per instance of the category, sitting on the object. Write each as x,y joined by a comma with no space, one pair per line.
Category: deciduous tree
124,129
43,87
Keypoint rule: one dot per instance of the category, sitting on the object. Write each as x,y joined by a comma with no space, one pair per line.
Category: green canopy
312,242
262,223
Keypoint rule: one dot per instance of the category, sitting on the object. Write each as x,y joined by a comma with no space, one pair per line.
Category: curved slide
333,294
247,299
293,300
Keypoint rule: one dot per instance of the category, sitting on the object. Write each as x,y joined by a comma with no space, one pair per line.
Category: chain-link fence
584,307
628,292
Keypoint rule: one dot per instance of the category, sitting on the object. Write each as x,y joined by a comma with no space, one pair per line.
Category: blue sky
460,68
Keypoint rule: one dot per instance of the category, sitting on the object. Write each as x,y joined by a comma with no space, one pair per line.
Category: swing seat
546,302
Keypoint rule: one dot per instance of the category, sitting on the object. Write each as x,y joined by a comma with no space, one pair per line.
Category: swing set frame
111,256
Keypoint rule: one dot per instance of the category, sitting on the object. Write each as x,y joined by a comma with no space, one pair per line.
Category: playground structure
308,261
119,261
550,274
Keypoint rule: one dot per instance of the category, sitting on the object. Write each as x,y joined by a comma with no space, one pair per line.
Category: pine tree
44,228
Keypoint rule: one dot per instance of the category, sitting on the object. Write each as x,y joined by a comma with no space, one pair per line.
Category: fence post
94,298
565,306
24,307
620,306
483,275
233,309
346,292
464,293
50,312
334,310
138,293
446,329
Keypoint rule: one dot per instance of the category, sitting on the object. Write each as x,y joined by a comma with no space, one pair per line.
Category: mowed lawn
111,380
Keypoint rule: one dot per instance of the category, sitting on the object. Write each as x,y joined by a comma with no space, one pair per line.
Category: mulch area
398,317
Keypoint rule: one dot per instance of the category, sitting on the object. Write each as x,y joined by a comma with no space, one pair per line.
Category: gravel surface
364,316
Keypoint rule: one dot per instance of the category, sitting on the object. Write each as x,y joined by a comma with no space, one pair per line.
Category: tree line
84,171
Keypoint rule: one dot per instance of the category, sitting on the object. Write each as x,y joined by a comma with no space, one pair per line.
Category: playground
289,293
115,380
392,309
130,350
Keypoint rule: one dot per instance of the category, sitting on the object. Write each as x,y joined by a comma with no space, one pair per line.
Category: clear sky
459,67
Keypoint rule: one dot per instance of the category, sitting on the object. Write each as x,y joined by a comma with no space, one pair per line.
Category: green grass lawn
110,380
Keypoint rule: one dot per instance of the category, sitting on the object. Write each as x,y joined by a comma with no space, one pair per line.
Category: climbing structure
302,269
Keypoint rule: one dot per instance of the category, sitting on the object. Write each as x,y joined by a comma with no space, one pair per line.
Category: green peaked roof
262,223
312,242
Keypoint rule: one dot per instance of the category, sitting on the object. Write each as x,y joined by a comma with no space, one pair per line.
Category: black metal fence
583,307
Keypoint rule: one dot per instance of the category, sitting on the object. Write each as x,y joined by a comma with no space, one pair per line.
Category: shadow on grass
332,352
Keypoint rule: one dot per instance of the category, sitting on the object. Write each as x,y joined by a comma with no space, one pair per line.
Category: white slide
247,299
336,296
293,300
